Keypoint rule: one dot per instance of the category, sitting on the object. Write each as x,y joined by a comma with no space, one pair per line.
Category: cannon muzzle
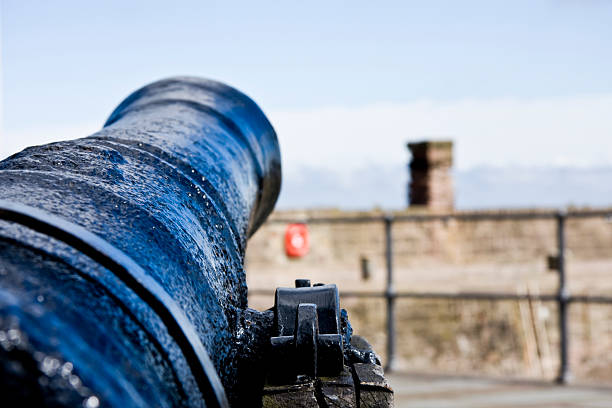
121,254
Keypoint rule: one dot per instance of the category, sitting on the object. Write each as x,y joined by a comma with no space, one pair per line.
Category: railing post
563,303
390,294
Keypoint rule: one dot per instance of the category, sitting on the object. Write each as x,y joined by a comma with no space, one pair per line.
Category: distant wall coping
324,213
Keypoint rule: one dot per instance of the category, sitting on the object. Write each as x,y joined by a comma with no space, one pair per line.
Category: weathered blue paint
182,173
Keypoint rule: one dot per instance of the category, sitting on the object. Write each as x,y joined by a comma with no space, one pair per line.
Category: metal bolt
302,283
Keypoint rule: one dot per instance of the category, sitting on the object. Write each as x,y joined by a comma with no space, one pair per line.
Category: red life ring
297,242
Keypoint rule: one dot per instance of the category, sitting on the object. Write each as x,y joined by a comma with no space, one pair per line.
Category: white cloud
538,132
504,132
356,157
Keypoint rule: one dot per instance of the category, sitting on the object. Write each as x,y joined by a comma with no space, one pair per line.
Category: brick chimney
431,182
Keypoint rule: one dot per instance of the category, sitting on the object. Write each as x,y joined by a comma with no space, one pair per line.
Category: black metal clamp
308,338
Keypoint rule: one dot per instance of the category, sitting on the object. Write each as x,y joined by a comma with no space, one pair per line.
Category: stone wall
460,254
504,338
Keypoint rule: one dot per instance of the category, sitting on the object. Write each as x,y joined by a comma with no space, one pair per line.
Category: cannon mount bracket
313,358
308,339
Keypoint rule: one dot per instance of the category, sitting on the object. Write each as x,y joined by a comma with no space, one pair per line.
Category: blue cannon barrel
121,254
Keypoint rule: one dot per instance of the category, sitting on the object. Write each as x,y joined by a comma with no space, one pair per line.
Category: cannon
121,262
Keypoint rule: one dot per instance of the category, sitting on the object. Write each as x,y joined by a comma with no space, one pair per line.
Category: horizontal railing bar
476,217
477,296
590,214
326,220
590,299
485,296
445,217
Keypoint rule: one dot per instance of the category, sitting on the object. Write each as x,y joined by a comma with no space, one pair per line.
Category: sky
521,87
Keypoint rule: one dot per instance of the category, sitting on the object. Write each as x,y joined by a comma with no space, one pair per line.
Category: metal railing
562,297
